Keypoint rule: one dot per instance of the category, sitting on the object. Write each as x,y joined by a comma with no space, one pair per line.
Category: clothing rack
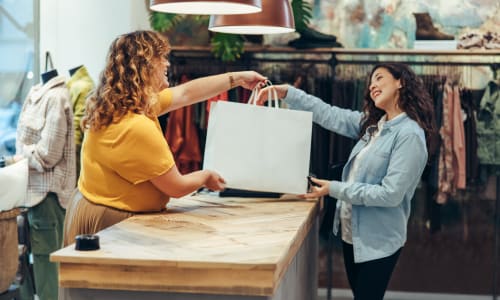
333,57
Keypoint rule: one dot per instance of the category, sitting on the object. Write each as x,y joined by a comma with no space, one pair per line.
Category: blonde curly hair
128,81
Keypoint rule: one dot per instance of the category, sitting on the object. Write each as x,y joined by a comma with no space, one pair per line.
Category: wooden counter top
202,244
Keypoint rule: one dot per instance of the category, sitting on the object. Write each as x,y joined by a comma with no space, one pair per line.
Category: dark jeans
368,280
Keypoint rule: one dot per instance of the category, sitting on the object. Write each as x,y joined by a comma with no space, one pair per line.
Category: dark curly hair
128,80
414,100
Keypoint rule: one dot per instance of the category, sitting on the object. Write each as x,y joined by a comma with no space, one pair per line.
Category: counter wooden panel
202,244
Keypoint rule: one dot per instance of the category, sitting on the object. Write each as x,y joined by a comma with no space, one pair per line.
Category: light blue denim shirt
384,185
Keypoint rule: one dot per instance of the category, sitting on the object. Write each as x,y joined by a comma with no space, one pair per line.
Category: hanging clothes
488,126
182,136
80,85
45,135
471,160
458,140
221,97
452,149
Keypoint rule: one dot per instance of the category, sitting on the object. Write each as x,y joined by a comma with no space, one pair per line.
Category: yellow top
119,161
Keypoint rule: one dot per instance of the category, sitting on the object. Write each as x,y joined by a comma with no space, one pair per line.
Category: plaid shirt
45,135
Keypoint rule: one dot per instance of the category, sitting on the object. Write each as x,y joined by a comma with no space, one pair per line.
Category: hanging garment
488,126
80,85
471,160
458,140
182,136
45,136
452,175
446,175
221,97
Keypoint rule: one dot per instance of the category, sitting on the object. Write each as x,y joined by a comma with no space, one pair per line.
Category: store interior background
456,259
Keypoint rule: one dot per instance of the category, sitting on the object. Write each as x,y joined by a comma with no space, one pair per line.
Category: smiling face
384,90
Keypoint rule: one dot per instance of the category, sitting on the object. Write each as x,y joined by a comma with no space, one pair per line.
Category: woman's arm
203,88
174,184
342,121
406,165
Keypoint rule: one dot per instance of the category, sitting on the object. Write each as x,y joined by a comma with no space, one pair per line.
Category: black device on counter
87,242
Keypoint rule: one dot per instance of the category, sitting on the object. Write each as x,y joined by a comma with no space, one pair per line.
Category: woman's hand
248,79
215,182
322,189
281,91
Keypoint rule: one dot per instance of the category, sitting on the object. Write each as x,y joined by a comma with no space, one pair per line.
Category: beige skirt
85,217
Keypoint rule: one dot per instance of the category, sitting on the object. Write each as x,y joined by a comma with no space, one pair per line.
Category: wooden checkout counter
205,248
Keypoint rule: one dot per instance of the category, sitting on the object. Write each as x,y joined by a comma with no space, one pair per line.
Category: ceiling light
276,17
206,7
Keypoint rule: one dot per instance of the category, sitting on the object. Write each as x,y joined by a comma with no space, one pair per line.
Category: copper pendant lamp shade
206,7
276,17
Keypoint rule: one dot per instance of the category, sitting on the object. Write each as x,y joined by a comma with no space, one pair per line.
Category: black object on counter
247,194
87,242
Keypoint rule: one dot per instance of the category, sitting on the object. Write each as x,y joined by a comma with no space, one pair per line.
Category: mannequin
73,70
49,75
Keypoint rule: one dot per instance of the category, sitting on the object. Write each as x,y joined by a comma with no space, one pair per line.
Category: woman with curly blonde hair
127,166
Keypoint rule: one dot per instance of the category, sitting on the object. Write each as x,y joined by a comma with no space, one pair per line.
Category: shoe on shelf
314,35
426,29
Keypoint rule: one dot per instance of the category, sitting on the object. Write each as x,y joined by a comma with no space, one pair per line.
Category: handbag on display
13,184
259,148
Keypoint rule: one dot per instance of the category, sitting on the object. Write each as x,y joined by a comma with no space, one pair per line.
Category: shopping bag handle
272,95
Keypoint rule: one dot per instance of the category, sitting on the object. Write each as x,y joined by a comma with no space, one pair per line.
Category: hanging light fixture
276,17
206,7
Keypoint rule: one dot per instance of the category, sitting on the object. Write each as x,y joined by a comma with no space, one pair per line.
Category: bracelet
232,84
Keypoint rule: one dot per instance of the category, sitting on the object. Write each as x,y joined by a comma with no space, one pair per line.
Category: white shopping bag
13,185
259,148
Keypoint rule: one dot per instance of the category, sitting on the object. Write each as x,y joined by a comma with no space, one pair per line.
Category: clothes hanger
48,74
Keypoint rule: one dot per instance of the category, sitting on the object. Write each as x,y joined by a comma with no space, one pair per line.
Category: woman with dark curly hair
396,133
127,166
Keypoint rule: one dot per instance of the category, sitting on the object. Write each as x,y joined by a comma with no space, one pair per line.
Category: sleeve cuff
28,152
292,96
336,189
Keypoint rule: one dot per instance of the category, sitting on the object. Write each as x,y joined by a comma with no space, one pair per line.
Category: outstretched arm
203,88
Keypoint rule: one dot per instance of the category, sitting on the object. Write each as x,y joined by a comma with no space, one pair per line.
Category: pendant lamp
276,17
206,7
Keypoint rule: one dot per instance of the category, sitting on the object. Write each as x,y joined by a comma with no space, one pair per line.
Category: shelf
354,51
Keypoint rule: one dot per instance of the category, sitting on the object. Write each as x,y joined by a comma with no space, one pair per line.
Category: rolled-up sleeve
407,162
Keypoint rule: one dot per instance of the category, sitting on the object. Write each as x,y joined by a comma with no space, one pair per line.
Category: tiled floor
340,294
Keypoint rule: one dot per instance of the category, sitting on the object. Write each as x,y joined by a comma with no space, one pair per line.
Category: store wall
79,32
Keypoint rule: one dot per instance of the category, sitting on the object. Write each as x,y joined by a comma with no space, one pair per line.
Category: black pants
368,280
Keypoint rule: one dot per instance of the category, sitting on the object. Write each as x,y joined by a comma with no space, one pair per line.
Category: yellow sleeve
141,153
165,99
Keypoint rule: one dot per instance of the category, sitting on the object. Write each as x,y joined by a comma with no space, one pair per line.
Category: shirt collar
40,89
394,121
